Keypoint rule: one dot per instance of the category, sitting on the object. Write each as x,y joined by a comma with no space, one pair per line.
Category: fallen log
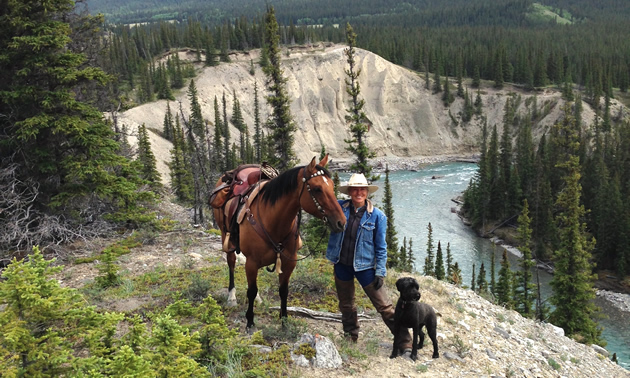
321,315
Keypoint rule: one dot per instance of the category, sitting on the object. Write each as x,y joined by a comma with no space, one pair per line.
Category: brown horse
269,233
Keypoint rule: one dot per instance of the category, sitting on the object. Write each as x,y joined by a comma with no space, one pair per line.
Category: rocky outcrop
407,120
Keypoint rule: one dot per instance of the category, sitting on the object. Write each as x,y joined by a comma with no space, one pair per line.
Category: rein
279,247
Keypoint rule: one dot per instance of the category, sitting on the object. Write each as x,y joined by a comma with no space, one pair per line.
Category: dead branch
321,315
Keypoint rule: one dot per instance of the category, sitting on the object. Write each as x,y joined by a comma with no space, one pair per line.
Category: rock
452,356
557,330
600,350
502,332
326,354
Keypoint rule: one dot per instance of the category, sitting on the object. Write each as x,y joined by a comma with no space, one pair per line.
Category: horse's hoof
231,302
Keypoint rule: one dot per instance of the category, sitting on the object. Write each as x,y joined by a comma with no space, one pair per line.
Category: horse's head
322,201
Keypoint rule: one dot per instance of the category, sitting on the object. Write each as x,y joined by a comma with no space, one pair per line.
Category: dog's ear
398,282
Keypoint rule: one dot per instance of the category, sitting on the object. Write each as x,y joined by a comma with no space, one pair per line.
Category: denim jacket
371,249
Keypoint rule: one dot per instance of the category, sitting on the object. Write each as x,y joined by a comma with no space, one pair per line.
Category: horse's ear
312,165
324,161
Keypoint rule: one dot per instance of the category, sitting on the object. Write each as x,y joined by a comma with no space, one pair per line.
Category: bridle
279,247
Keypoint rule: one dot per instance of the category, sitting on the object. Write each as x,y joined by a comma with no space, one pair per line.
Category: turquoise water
425,196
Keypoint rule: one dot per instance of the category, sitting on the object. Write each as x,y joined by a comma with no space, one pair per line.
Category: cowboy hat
357,180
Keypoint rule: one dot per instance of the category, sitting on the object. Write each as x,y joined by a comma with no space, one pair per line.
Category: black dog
413,314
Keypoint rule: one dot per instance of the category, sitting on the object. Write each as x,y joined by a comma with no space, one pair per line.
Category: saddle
238,189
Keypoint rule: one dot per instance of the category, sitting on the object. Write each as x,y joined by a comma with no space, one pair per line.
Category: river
426,196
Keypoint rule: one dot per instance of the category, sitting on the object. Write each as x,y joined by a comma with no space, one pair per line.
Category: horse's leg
231,260
283,280
251,271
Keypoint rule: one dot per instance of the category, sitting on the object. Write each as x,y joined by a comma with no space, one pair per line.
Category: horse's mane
284,184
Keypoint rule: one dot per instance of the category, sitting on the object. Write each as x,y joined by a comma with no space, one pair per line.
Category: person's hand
378,282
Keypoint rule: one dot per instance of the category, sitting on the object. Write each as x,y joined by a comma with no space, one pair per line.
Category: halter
308,188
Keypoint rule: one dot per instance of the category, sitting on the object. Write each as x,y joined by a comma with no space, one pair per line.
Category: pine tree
525,295
473,284
493,281
181,175
403,256
456,276
449,263
168,123
147,158
356,118
447,96
390,237
482,281
42,322
227,154
258,137
51,130
439,263
217,140
429,265
572,282
411,260
505,292
283,126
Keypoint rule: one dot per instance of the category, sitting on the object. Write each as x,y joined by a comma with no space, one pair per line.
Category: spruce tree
493,281
258,137
356,118
572,282
217,140
482,280
429,265
525,294
439,263
390,236
51,129
456,276
473,283
168,126
449,263
282,124
504,289
411,260
147,158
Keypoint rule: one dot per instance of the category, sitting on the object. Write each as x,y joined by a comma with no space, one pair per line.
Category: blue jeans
347,273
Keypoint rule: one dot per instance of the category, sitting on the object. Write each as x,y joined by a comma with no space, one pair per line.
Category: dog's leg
414,349
431,329
421,343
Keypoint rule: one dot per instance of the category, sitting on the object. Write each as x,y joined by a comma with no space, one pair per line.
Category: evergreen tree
51,130
505,292
478,103
572,282
439,263
493,281
429,265
456,276
356,118
525,289
449,263
482,281
447,96
402,256
258,137
227,154
217,140
411,260
476,79
181,175
168,123
283,125
147,158
473,283
390,237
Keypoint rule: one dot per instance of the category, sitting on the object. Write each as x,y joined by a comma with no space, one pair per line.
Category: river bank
607,287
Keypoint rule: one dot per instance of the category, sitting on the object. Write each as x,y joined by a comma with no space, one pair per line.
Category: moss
306,350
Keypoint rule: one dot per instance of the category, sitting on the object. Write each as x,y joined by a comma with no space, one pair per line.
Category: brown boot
383,305
345,294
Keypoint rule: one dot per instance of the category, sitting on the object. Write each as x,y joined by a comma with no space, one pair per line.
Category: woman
361,251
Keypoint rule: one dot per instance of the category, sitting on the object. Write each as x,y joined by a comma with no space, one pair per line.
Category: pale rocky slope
407,119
